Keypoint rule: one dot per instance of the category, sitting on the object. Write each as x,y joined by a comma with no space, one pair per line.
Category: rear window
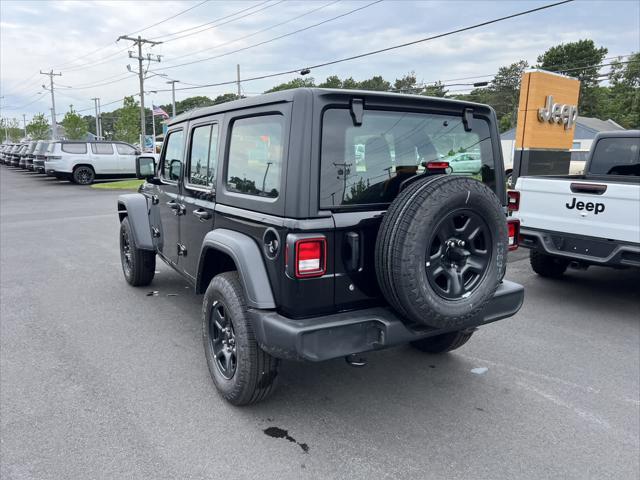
102,148
41,148
74,147
616,156
367,164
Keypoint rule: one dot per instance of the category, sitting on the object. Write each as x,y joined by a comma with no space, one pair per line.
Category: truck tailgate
583,207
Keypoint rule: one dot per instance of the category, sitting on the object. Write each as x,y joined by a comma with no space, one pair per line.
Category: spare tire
441,250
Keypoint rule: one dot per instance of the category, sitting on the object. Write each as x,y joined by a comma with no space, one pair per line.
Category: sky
78,39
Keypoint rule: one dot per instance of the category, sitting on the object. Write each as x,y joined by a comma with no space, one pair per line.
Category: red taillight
513,226
437,165
513,200
311,257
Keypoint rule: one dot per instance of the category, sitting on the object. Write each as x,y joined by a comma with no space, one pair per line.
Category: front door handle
178,208
202,214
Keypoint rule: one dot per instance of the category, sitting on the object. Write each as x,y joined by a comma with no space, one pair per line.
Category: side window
125,149
173,153
204,155
74,147
102,148
255,156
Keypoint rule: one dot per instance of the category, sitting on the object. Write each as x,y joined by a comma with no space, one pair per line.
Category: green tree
350,83
504,93
74,126
407,84
191,103
11,129
435,90
581,60
127,123
622,98
295,83
226,97
376,83
38,128
331,82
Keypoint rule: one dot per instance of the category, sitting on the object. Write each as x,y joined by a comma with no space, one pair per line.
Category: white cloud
36,36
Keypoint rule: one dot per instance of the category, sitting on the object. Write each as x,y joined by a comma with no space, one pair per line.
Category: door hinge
155,200
182,250
155,232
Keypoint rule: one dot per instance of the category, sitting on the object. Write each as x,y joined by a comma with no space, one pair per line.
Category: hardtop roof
291,94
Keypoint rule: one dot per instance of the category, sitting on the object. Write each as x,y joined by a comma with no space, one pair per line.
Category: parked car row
79,162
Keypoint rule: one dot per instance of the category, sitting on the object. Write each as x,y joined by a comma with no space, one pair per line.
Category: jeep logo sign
558,113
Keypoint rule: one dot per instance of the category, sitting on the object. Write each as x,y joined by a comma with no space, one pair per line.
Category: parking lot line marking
588,416
531,373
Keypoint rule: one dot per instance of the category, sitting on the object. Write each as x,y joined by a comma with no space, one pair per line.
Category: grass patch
120,185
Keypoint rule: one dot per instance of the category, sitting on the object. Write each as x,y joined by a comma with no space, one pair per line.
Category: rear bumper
332,336
589,250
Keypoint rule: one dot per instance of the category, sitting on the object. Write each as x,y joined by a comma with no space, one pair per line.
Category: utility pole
139,41
95,104
24,124
238,80
173,96
54,128
100,135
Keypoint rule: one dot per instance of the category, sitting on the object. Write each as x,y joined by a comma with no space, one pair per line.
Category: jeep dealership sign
547,111
558,113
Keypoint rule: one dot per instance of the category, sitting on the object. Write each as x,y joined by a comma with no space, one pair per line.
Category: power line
167,19
394,47
278,37
215,21
260,31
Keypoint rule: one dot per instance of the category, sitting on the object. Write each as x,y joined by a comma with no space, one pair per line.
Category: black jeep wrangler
325,223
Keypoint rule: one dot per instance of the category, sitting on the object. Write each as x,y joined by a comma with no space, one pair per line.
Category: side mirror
175,170
145,167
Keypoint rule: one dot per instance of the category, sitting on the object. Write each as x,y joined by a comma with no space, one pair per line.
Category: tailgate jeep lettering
588,206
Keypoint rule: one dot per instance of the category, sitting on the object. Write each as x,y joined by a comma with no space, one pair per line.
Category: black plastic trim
337,335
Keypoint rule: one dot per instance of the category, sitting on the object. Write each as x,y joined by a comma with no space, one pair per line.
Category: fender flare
134,206
249,262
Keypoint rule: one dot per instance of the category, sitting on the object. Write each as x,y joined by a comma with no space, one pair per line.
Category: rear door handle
173,205
202,214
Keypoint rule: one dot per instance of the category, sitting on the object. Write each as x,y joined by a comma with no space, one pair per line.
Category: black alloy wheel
222,340
83,176
125,251
458,254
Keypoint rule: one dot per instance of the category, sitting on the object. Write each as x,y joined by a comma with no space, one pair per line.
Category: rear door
198,193
126,159
104,158
170,209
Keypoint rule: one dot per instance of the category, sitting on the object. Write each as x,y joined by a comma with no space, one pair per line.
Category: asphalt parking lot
100,380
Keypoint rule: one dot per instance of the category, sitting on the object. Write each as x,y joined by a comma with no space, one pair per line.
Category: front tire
443,343
242,372
138,266
547,265
83,175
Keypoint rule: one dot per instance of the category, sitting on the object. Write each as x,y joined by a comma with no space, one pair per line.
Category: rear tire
138,266
242,372
83,175
547,265
443,343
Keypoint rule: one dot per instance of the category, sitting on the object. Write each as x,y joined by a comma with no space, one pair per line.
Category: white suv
83,162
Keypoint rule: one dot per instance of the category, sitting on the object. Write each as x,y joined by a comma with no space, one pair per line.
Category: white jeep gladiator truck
583,220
